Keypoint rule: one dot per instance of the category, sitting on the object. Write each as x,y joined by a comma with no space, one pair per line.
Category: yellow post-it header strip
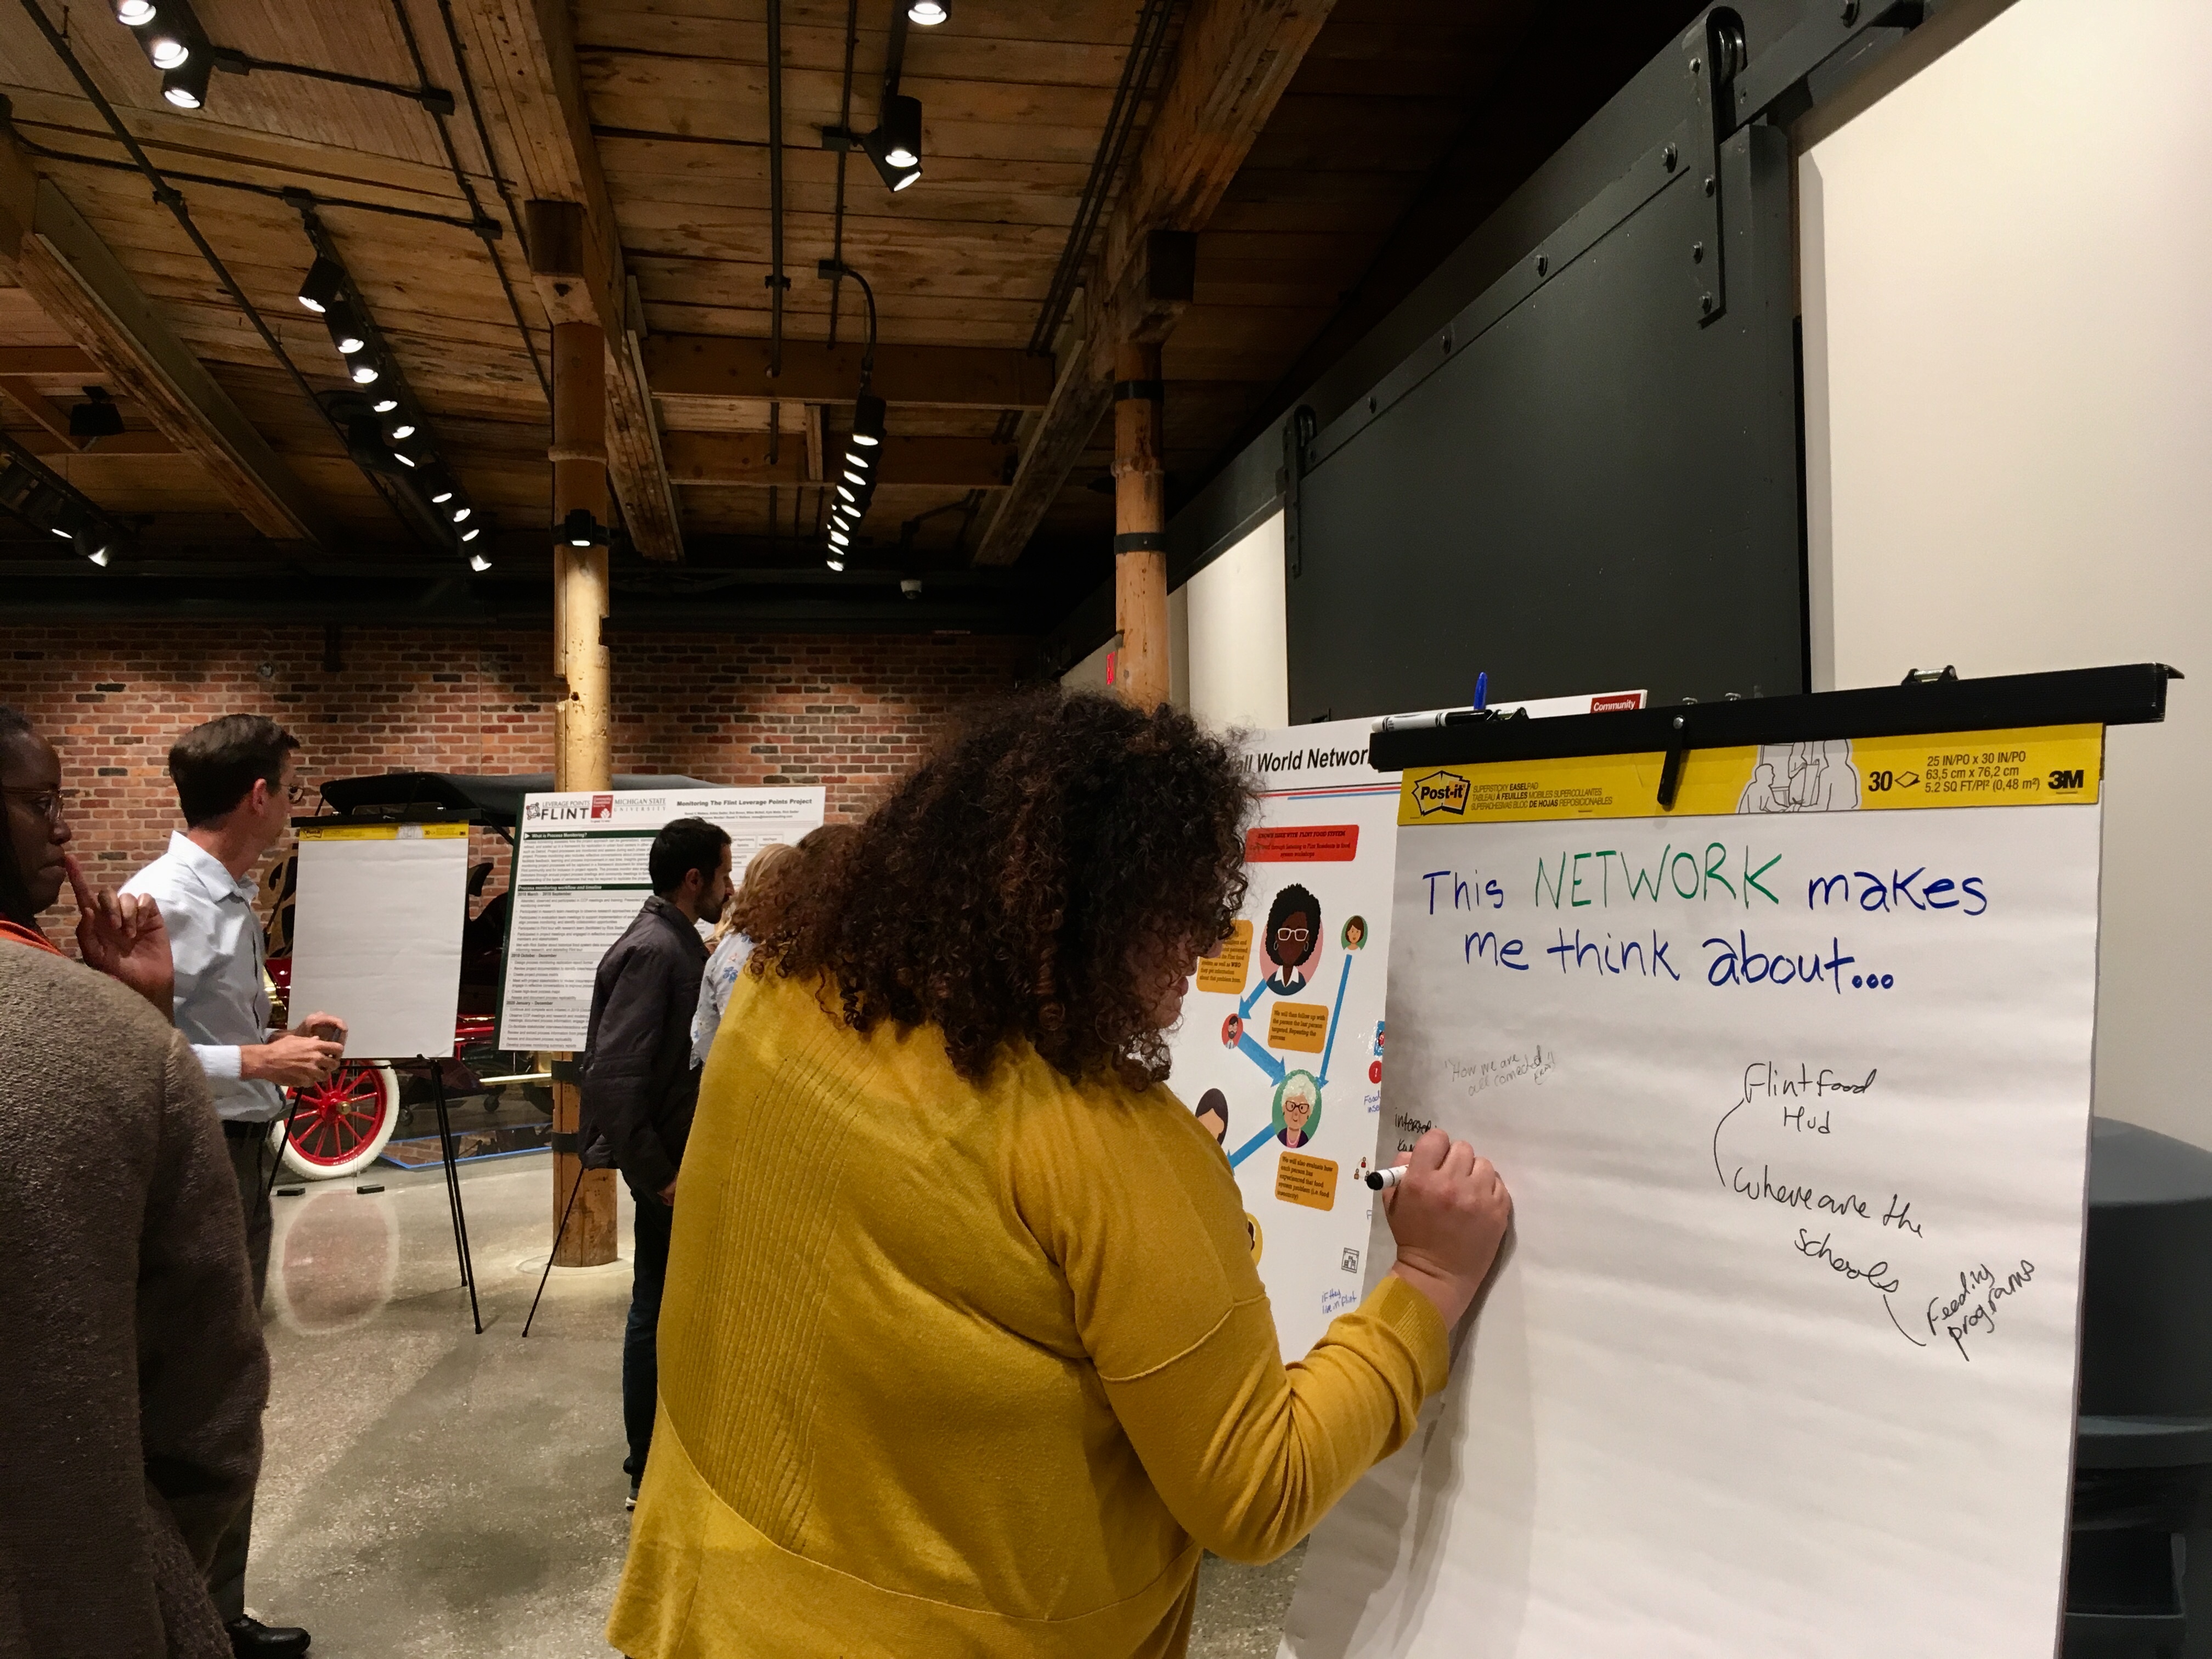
383,831
2041,766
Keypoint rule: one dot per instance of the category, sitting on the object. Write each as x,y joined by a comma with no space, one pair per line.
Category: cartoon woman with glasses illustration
1293,930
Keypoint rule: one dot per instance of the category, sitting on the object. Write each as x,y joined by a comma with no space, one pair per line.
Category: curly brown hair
1006,890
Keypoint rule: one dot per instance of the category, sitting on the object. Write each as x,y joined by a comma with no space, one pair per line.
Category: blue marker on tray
1481,691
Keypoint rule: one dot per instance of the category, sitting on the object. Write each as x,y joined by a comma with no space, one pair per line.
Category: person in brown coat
134,1375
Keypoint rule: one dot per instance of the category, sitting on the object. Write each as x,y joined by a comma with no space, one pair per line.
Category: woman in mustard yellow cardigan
963,1351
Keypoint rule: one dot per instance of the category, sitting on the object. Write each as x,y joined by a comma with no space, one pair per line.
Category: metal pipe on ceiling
778,283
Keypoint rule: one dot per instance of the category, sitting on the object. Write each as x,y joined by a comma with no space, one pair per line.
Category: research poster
580,876
1280,1049
1791,1086
1281,1046
377,919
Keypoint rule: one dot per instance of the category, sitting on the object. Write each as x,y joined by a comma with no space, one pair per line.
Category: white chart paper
377,934
1794,1104
580,876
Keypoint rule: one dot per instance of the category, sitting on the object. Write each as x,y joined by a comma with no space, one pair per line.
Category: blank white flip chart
377,934
1791,1087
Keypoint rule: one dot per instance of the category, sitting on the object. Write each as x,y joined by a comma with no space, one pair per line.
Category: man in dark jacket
639,1088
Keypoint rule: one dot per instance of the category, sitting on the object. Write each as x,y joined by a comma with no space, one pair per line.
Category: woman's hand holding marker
1449,1212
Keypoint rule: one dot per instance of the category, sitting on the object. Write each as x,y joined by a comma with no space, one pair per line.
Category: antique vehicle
340,1127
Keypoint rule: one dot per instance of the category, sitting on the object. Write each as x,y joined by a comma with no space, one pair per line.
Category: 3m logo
603,806
1440,791
2062,779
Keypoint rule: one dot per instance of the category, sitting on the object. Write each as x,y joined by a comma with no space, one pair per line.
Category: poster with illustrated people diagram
580,876
1281,1045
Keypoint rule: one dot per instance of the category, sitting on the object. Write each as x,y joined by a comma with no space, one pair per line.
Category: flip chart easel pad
1327,822
377,935
1718,1399
580,875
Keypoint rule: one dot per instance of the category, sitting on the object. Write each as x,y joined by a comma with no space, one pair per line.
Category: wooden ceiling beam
43,360
48,249
726,366
1232,66
742,458
526,55
43,444
25,395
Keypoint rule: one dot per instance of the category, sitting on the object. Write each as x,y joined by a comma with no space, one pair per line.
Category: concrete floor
430,1491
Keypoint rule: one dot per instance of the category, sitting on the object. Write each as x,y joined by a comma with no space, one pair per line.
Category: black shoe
631,1502
251,1639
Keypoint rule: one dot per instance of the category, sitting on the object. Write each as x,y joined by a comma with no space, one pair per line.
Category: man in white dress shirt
237,781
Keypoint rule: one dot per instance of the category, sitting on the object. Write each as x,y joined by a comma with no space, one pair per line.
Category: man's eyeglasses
296,792
52,805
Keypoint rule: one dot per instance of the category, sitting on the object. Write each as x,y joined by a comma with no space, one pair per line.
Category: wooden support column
1140,525
584,721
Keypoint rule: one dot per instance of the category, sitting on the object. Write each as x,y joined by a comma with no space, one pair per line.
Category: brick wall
849,712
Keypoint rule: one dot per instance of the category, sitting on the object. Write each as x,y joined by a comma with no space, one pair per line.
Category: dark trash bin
2140,1545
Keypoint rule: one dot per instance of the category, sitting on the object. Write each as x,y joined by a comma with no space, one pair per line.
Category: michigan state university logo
1440,791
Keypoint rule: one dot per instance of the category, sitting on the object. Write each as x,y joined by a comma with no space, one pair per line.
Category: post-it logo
1440,791
603,806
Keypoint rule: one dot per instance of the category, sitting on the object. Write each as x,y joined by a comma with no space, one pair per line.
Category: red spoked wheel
339,1127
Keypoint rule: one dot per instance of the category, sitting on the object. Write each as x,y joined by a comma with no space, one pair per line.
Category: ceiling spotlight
402,458
349,332
405,429
900,133
364,373
846,495
579,529
470,535
134,14
927,13
66,535
868,419
460,514
478,562
896,175
185,85
840,538
97,417
99,555
385,405
168,52
323,286
858,480
835,563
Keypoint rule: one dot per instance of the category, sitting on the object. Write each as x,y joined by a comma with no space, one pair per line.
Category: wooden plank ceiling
1375,160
